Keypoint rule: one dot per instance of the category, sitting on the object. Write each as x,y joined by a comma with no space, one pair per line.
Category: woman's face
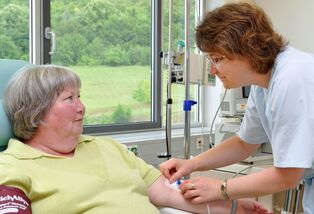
65,117
233,73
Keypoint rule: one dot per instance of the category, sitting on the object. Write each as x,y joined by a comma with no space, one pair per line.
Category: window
14,29
111,44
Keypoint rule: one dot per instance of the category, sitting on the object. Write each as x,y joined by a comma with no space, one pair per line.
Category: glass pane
108,43
178,90
14,29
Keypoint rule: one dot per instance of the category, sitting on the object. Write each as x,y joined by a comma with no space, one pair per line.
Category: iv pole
187,112
170,60
187,103
169,99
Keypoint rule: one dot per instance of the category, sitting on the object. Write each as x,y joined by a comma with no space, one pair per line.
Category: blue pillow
5,130
7,68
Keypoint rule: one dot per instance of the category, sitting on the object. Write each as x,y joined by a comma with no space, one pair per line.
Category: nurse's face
233,73
65,117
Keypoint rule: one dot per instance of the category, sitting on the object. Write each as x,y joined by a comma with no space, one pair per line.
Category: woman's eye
215,60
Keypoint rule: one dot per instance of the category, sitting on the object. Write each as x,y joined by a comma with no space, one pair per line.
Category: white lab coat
283,114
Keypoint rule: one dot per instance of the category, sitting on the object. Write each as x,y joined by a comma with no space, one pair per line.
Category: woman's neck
54,144
261,80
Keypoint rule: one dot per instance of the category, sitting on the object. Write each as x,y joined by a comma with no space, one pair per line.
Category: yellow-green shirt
102,177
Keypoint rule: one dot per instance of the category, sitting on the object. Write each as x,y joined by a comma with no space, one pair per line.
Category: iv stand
169,99
187,103
187,115
170,60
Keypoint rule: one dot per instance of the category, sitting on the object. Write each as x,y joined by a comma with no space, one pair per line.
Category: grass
104,88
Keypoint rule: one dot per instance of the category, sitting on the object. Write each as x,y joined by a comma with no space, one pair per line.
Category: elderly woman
51,168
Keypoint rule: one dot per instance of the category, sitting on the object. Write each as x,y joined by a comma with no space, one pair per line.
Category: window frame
156,115
40,48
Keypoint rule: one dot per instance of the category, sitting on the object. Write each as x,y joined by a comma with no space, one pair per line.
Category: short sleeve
252,129
147,172
9,176
14,200
292,119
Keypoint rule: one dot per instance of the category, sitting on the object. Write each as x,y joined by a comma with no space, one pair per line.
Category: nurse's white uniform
283,114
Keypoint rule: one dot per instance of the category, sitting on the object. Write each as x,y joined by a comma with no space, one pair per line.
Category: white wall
294,19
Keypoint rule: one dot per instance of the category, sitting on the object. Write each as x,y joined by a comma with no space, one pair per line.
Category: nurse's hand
201,189
249,206
174,169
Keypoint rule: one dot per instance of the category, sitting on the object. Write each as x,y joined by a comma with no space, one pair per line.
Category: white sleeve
252,130
292,121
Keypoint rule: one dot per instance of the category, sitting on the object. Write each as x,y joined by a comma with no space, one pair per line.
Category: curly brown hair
241,29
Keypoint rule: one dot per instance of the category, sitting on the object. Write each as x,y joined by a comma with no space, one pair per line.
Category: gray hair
30,94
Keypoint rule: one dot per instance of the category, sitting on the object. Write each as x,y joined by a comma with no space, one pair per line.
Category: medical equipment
234,104
198,73
174,185
179,71
169,60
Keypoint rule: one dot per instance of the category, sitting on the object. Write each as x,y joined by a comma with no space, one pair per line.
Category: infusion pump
199,68
234,103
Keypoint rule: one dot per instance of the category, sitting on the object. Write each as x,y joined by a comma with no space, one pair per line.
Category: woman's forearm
163,196
265,182
228,152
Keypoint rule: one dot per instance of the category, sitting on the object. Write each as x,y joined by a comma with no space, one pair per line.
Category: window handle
49,34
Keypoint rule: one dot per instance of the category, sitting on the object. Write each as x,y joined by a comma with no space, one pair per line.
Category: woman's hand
174,168
250,206
201,189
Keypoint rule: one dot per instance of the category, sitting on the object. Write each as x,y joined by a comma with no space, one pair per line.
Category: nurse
243,48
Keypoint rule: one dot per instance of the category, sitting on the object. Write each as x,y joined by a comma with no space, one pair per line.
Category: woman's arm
261,183
230,151
14,200
265,182
162,195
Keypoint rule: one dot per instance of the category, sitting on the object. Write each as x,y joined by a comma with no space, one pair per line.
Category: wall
153,143
293,19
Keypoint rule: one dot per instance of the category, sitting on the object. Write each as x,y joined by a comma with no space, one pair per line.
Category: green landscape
105,88
108,43
117,83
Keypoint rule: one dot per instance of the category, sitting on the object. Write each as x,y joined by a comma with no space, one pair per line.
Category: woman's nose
80,106
213,70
